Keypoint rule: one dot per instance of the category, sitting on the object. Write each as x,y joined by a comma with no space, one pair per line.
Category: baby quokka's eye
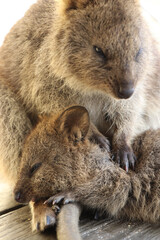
99,51
34,168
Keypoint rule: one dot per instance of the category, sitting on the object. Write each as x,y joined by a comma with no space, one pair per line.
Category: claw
49,200
102,141
126,166
96,216
63,198
66,201
125,159
56,209
132,159
118,160
54,200
57,199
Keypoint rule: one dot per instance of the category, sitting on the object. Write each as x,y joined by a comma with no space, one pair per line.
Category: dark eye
35,167
99,51
138,54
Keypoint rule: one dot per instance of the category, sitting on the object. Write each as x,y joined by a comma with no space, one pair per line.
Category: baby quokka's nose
18,195
125,91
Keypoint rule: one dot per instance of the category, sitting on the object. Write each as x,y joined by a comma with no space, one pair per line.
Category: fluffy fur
49,61
78,52
82,170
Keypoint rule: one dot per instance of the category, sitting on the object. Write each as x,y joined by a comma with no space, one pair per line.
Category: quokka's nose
18,196
125,92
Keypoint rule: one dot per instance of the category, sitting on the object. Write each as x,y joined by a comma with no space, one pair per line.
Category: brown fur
84,173
67,224
48,62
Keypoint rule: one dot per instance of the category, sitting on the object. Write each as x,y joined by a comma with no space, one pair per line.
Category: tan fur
42,216
47,62
81,171
68,219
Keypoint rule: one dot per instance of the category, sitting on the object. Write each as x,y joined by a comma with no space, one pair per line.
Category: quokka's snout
126,90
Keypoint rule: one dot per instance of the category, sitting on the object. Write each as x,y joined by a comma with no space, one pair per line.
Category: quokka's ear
65,5
73,123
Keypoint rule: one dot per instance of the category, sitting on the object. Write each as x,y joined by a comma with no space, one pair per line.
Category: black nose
125,92
18,196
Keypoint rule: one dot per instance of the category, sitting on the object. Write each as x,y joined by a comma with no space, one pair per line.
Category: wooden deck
15,219
15,225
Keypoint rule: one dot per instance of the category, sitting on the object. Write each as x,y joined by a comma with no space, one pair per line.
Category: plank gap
5,211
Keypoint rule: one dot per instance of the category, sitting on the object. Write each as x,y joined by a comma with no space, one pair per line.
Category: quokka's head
100,45
53,153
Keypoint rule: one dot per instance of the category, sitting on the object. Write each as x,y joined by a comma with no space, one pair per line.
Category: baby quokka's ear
66,5
73,123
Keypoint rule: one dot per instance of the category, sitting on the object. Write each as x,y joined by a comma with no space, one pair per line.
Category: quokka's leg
14,126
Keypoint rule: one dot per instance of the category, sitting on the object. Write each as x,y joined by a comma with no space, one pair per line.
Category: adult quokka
96,53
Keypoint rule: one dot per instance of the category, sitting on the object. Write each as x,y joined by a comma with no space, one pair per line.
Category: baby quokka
61,157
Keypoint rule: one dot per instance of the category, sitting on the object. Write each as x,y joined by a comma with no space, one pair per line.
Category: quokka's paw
125,158
61,199
102,141
99,138
43,216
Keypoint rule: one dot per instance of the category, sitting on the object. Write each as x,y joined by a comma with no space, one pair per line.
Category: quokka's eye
99,51
138,54
35,167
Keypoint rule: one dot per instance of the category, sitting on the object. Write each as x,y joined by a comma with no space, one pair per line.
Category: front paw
43,216
99,139
124,157
61,199
102,141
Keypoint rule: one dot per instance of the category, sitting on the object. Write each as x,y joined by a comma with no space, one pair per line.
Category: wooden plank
14,222
16,225
7,199
118,230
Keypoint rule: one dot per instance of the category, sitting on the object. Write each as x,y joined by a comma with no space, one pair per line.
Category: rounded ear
73,123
